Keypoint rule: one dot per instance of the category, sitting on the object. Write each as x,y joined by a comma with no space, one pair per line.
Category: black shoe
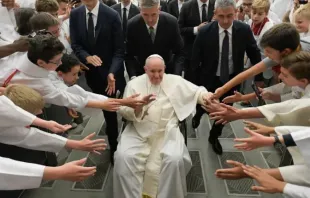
217,147
112,157
195,122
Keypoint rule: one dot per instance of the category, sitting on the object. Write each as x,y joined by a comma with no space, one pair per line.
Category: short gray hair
149,3
224,4
154,56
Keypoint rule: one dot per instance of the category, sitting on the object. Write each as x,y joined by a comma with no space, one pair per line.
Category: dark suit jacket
133,11
168,41
190,18
109,40
206,50
173,8
163,6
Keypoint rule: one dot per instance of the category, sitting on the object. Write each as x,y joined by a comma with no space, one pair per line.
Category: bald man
151,158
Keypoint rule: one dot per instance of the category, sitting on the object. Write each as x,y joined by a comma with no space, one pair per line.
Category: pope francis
151,159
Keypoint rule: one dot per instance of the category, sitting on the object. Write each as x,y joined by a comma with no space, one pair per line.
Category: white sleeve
32,138
288,112
15,175
57,96
284,91
294,191
195,30
12,115
296,174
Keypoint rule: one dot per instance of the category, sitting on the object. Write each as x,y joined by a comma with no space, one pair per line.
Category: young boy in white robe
295,85
151,158
19,175
300,137
295,71
278,42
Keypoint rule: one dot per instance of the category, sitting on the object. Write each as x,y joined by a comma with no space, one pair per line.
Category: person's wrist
270,141
52,173
73,144
279,187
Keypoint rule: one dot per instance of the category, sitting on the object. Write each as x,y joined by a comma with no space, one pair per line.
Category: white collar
95,10
200,3
229,30
127,7
155,26
30,69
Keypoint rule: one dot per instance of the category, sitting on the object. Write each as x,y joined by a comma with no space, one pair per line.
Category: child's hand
73,113
266,95
237,97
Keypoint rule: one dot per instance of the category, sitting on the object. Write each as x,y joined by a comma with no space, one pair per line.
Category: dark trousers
216,130
98,84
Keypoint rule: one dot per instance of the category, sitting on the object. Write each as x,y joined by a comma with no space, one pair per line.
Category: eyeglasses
59,63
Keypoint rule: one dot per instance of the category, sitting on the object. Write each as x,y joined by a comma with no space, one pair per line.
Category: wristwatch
276,140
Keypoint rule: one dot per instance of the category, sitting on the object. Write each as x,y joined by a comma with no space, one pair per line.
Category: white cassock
297,176
26,3
36,78
285,92
281,7
19,175
59,83
295,191
151,157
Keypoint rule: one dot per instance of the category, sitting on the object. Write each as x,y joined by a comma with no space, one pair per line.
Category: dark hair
68,62
44,47
23,16
42,21
46,6
298,64
280,37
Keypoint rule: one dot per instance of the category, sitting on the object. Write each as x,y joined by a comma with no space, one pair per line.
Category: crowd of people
155,62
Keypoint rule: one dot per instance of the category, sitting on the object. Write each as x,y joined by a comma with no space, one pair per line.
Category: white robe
285,92
151,157
37,78
19,175
59,83
295,191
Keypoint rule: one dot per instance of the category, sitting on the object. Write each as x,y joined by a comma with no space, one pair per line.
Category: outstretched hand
225,114
258,128
255,140
267,183
236,172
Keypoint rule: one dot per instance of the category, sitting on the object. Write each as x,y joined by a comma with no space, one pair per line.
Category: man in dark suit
153,32
97,40
193,16
126,11
219,50
174,7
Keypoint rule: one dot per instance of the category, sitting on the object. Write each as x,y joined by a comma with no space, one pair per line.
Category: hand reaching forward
87,144
225,114
55,127
110,105
72,171
267,183
237,97
111,85
133,101
236,172
259,128
255,140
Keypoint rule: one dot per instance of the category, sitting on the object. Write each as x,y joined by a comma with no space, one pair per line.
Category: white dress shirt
230,58
180,3
95,12
127,9
200,12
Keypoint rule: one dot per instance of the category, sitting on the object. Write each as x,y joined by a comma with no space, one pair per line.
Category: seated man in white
151,158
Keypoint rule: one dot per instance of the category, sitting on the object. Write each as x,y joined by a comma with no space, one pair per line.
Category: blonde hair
261,5
25,97
303,11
